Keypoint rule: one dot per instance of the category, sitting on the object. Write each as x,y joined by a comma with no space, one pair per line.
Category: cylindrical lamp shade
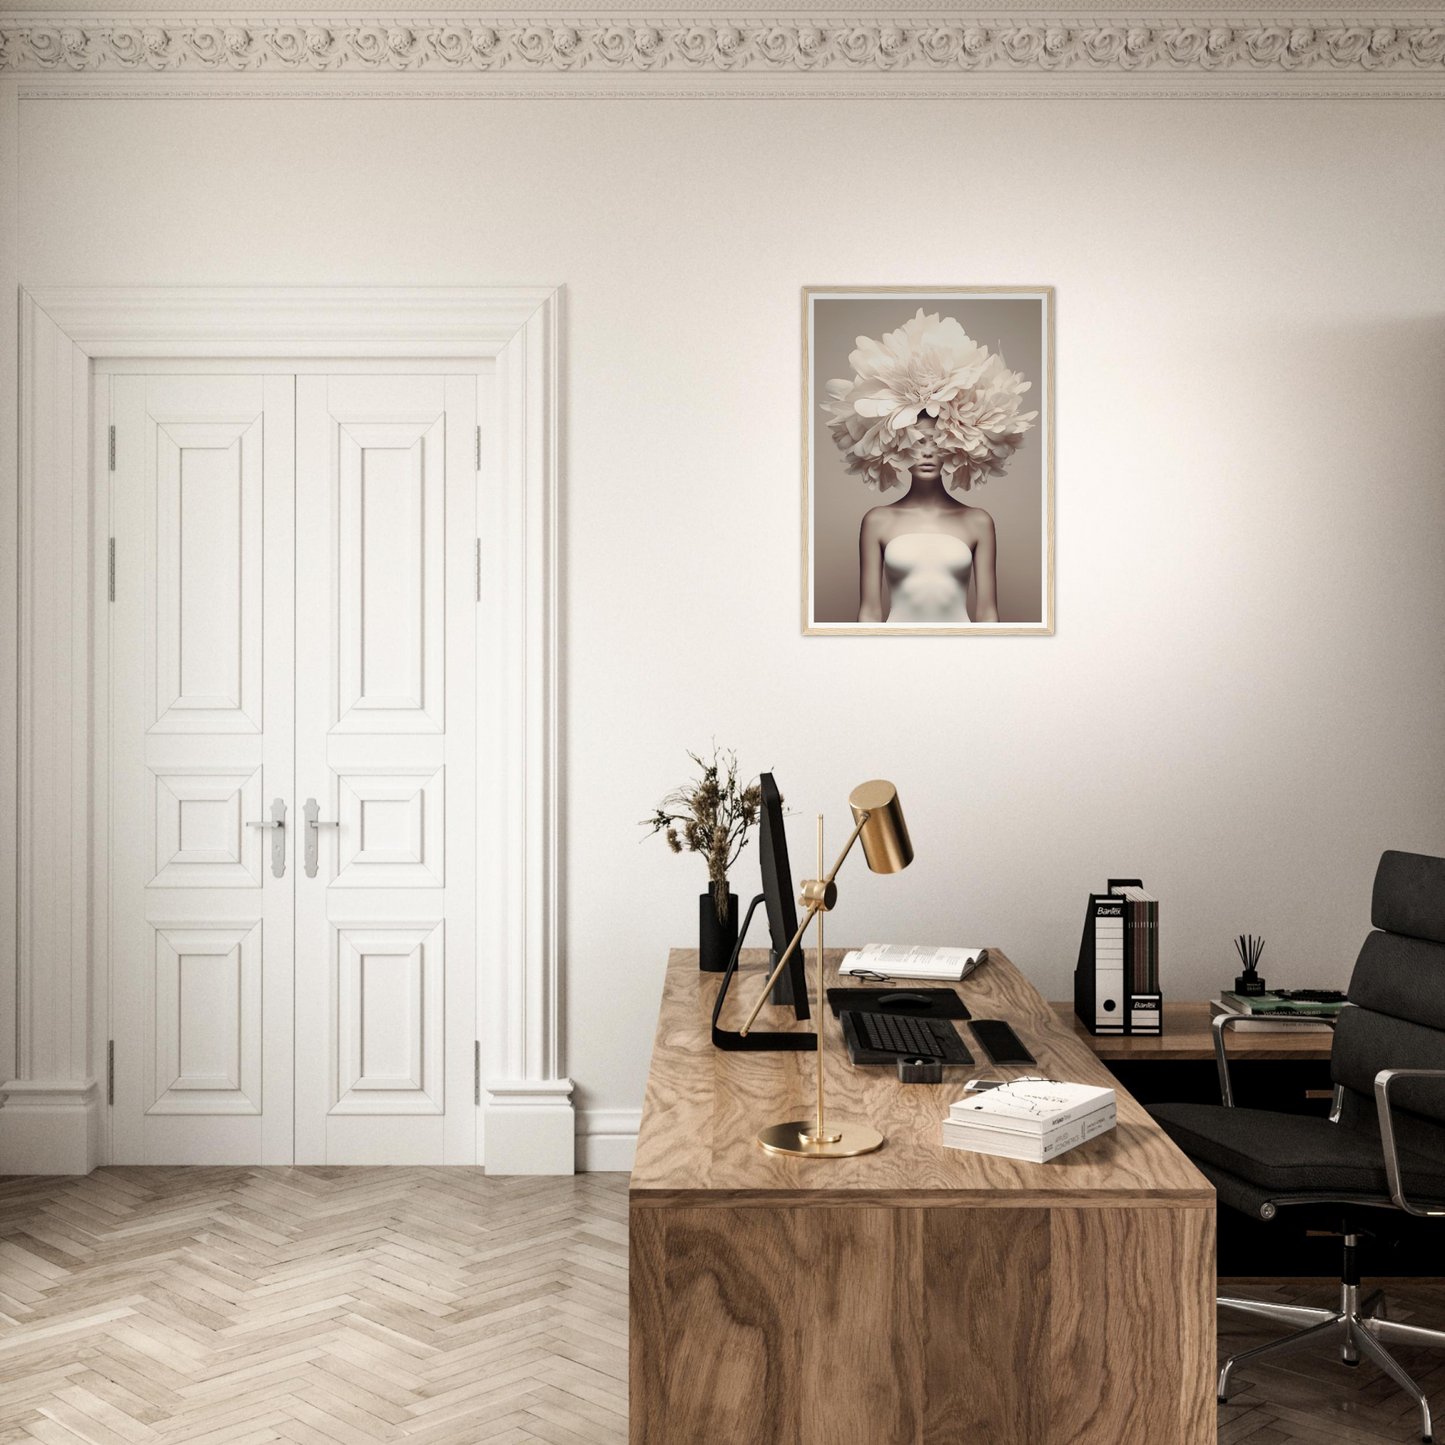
885,840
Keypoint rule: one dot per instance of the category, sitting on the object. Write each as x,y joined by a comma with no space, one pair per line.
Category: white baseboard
607,1139
530,1127
49,1126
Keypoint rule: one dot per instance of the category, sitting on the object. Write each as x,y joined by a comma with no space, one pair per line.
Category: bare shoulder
875,522
978,522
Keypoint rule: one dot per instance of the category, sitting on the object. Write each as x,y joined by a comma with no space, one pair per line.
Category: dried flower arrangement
710,816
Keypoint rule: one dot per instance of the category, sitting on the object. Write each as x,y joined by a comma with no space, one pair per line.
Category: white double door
292,642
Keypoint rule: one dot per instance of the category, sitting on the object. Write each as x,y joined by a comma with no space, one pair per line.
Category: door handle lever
277,821
314,825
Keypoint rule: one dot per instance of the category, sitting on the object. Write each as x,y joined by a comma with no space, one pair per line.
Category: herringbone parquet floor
429,1307
318,1306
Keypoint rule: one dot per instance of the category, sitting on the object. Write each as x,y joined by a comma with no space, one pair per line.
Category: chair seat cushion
1292,1153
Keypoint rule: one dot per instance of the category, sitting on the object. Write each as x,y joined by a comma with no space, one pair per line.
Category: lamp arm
813,910
848,847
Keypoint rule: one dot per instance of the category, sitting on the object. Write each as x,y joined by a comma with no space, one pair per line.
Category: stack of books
1031,1119
1263,1012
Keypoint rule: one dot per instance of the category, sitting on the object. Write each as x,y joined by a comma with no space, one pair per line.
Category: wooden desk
1188,1036
919,1295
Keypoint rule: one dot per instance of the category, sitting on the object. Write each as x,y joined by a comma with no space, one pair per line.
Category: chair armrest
1222,1022
1383,1080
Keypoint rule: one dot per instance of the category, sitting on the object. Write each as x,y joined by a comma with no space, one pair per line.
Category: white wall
1243,700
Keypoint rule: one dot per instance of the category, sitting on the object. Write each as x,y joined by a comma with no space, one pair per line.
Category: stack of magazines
1116,985
1032,1119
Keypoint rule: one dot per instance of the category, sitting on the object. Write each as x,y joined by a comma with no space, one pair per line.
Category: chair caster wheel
1353,1364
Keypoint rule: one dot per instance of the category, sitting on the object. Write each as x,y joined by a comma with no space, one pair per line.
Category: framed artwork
928,460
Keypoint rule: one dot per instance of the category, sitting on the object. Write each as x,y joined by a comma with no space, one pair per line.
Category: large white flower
929,365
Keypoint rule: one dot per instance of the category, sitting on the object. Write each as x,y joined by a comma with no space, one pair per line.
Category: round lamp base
794,1137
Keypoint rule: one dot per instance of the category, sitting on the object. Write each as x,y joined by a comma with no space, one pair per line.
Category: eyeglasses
871,976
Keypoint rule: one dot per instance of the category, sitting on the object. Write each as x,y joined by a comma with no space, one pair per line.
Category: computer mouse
902,999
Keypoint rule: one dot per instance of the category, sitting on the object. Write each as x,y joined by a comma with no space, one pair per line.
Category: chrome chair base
1359,1327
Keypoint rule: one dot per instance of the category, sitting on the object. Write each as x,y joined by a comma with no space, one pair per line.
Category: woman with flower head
932,411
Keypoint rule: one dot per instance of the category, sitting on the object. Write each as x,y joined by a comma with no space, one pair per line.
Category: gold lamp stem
819,1134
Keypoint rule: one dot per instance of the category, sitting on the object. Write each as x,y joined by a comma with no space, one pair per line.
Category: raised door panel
206,1044
390,1010
201,743
392,832
390,576
199,832
386,603
207,566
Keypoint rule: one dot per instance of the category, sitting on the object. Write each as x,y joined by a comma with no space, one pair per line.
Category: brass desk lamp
878,821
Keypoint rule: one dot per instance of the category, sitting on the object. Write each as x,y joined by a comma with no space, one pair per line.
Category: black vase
715,940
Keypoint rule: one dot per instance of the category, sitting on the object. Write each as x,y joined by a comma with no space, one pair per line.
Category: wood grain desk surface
704,1107
1188,1036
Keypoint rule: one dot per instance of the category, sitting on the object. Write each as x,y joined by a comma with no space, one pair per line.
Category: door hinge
479,446
110,569
477,1072
110,1072
112,448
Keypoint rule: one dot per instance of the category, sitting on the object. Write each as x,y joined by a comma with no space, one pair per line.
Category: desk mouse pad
916,1003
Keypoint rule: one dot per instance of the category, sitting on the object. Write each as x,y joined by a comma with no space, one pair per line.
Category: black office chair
1383,1146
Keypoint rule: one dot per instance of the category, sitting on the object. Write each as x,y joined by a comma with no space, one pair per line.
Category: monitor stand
758,1040
782,993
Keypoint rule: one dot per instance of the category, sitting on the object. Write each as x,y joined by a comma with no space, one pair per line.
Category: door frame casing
54,1003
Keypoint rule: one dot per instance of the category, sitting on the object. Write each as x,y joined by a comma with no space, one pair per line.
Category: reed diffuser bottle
1249,948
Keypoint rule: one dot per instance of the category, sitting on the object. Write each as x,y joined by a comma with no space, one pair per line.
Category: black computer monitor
777,898
791,987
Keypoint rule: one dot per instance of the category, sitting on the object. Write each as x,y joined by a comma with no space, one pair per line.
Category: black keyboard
902,1037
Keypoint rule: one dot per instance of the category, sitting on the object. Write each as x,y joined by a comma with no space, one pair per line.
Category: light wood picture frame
956,388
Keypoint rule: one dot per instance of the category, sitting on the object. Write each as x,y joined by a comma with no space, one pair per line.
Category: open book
902,960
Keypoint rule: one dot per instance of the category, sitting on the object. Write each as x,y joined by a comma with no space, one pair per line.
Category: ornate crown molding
922,48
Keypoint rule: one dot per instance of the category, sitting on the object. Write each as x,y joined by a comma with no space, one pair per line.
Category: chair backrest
1398,993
